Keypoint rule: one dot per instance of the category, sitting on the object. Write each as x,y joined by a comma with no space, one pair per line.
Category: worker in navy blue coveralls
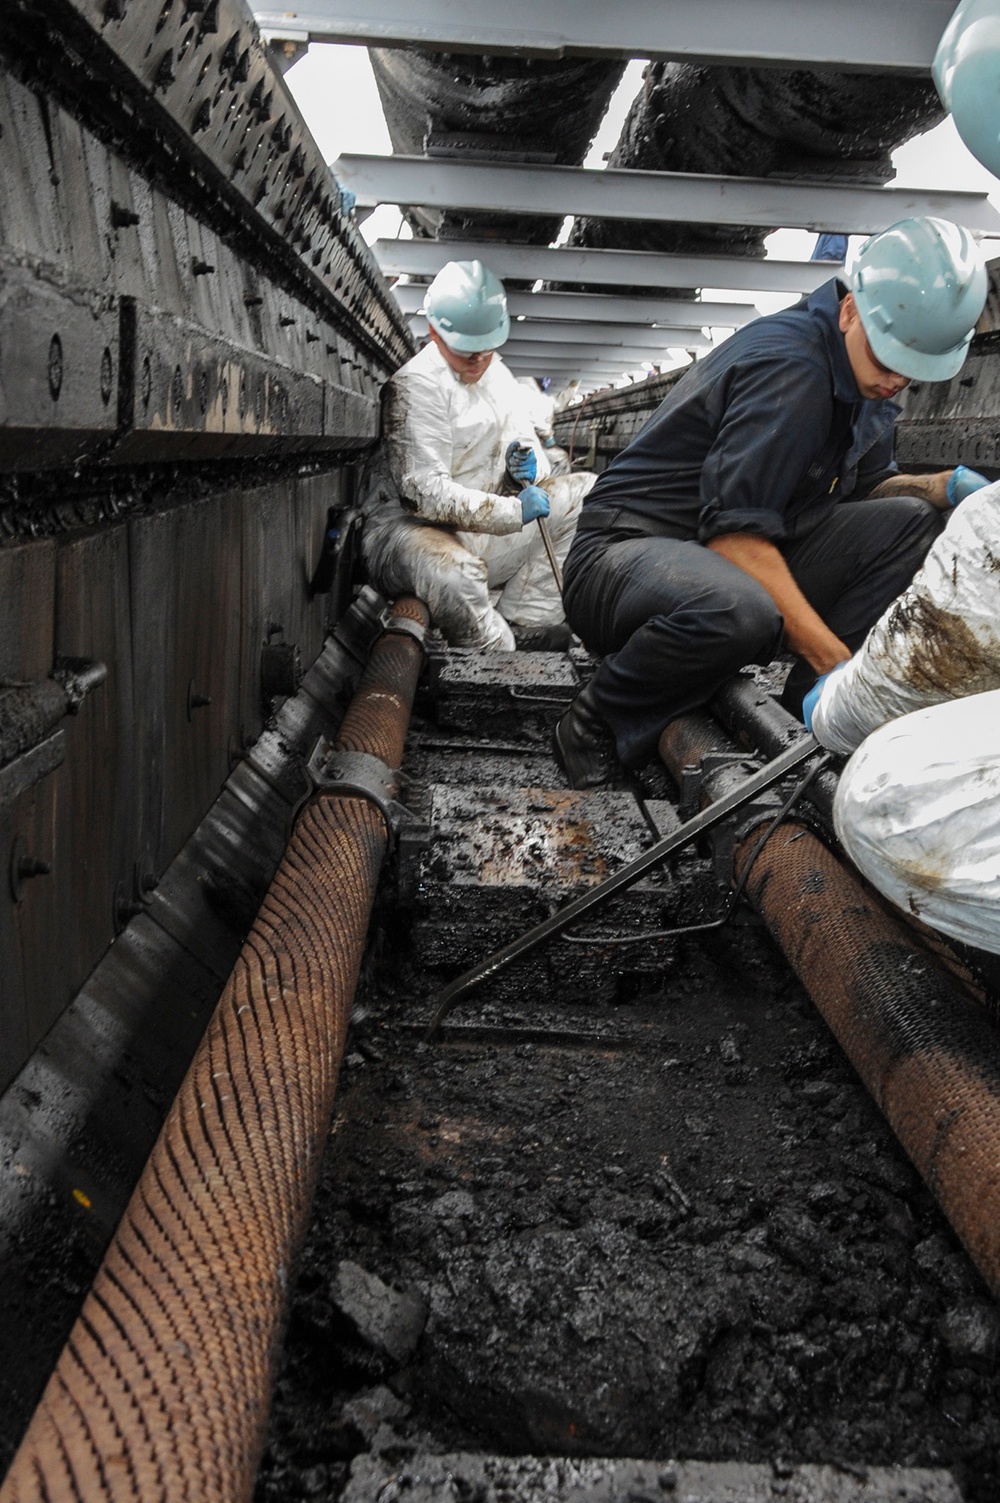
759,509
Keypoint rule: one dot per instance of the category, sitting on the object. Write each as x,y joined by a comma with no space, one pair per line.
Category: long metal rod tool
597,896
543,528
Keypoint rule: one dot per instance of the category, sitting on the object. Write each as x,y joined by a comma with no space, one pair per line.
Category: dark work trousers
673,620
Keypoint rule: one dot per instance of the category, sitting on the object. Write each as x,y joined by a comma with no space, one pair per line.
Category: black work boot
555,638
585,746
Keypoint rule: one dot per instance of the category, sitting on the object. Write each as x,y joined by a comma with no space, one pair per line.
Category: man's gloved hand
534,503
812,698
521,463
550,442
962,482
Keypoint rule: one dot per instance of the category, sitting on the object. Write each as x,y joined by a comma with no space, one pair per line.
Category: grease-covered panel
27,591
100,866
27,609
315,497
185,587
38,911
268,517
13,1017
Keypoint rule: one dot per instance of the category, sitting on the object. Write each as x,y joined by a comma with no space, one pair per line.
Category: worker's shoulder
424,384
789,335
425,366
789,355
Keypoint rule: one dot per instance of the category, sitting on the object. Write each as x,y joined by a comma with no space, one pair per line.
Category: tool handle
543,528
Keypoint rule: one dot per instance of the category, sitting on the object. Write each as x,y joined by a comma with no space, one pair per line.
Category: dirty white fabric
918,812
455,572
939,640
436,522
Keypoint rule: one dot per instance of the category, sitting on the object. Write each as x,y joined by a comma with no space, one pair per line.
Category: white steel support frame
589,307
898,36
571,337
603,267
594,359
655,197
629,354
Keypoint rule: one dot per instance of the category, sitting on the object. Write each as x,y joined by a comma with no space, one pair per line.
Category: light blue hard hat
467,306
967,73
920,287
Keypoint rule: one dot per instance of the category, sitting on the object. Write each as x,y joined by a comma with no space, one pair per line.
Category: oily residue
938,653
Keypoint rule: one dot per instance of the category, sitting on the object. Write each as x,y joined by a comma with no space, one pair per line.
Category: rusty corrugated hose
161,1391
928,1055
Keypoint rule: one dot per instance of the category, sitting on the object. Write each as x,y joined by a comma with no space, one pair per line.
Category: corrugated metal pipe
926,1052
162,1389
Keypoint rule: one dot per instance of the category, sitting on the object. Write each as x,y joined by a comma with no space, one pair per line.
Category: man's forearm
932,488
805,630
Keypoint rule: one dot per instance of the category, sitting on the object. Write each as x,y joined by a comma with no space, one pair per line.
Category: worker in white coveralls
454,493
918,705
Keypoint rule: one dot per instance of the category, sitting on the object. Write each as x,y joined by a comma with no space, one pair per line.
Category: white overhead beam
610,268
604,334
655,197
594,361
616,353
898,36
605,308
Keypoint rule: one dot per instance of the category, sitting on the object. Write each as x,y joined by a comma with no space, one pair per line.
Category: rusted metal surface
924,1049
187,1305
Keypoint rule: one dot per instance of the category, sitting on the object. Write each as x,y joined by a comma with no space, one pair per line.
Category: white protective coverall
436,523
918,812
918,805
940,640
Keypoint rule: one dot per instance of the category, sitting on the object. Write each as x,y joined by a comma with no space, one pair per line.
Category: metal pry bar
772,772
543,528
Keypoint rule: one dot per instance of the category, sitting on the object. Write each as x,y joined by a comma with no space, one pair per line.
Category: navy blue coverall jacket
767,435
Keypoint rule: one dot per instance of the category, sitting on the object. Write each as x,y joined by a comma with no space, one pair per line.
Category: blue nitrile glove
521,463
534,503
812,698
550,442
962,482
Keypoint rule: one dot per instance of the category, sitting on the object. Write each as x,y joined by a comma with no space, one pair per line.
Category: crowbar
543,528
713,814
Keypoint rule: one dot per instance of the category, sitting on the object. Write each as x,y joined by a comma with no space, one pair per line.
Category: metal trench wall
925,1050
193,336
162,1389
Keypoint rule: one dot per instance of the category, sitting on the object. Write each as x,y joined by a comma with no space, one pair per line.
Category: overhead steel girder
658,197
597,308
899,36
580,371
603,268
626,355
596,360
604,335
